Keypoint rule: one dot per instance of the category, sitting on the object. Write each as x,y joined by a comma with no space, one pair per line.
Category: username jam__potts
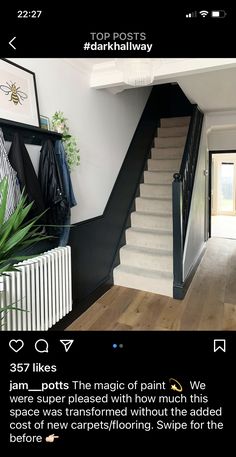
58,385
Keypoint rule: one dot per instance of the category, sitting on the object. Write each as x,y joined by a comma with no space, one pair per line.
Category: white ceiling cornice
211,83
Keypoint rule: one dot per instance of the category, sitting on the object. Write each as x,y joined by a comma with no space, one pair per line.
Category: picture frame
44,122
18,94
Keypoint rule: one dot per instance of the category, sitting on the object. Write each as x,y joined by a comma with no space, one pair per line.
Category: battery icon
218,14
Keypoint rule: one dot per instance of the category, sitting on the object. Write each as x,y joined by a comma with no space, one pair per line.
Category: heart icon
16,345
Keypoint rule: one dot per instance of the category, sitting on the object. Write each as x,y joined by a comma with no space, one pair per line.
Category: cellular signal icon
203,13
193,14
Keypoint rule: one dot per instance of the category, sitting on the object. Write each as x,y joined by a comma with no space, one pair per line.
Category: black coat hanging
21,162
52,189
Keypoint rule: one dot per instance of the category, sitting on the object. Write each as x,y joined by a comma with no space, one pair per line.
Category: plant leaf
16,233
15,239
8,226
3,192
22,215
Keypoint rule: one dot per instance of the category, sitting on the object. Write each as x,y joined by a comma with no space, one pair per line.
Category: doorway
222,194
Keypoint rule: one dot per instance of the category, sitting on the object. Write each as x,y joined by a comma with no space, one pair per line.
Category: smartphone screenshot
117,229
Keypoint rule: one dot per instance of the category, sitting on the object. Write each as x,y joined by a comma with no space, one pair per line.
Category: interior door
223,184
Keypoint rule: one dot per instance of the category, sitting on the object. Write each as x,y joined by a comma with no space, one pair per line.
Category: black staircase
182,189
96,242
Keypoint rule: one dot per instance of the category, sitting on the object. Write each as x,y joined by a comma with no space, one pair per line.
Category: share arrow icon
67,344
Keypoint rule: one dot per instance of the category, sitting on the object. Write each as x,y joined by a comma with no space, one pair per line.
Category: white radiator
41,291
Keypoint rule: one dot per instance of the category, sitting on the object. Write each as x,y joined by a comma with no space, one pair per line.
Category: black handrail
182,188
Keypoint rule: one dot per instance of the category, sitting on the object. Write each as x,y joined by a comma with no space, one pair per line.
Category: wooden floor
210,303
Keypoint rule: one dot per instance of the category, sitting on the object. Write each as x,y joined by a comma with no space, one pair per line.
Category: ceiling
211,83
212,91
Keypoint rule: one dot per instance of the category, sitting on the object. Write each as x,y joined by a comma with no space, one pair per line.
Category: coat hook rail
30,133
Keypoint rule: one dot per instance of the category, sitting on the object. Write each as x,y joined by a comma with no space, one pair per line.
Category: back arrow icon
10,42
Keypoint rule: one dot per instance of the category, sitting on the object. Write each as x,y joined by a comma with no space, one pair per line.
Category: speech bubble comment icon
41,346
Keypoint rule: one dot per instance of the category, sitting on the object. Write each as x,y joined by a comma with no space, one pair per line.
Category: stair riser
153,205
174,142
172,131
155,191
167,153
175,122
149,240
163,165
144,260
151,222
163,287
151,177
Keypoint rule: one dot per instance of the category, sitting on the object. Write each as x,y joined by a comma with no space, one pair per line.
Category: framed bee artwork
18,94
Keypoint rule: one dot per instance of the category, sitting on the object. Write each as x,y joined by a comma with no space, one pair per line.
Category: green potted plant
15,235
59,123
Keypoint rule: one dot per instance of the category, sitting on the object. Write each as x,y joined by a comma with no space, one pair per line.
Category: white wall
103,123
219,133
221,129
195,236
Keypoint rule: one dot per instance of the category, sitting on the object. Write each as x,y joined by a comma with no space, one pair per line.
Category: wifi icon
204,13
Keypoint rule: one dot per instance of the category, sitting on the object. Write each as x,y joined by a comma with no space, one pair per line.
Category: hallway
210,303
223,226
